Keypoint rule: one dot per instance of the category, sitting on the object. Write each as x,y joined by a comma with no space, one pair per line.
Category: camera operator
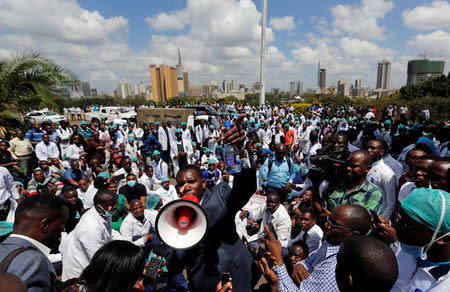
355,189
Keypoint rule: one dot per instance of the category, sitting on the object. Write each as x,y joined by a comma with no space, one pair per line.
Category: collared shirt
160,169
45,250
384,177
135,230
148,183
280,219
321,267
7,187
20,147
312,237
280,174
34,135
396,166
73,152
46,151
367,195
167,195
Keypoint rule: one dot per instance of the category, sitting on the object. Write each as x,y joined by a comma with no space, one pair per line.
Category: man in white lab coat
136,226
91,233
180,150
167,192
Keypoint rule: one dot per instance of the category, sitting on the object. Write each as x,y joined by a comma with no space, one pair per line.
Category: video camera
331,163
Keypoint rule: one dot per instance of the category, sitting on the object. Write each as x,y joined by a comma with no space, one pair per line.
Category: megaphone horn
182,224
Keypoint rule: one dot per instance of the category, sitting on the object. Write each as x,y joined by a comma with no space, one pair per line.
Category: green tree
28,79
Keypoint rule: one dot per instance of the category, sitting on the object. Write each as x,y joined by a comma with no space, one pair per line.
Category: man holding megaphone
219,248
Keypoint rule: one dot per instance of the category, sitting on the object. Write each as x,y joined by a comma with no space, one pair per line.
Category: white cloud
282,23
172,21
428,17
363,48
435,44
361,21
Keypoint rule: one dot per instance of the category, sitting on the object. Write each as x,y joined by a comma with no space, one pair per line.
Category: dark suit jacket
31,266
222,250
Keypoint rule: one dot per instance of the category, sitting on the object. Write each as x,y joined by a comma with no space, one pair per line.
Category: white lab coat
174,151
148,183
384,177
411,280
167,195
80,245
44,151
134,230
280,219
162,138
73,152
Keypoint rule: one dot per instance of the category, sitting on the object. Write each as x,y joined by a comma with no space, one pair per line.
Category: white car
109,114
44,116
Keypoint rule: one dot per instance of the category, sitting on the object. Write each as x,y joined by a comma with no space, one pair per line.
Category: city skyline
104,42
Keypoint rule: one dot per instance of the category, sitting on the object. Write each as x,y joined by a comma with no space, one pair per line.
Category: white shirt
167,195
163,139
80,245
160,169
134,230
186,135
266,136
7,187
64,135
206,158
382,176
412,278
46,151
44,249
313,238
396,166
405,190
148,182
280,219
73,152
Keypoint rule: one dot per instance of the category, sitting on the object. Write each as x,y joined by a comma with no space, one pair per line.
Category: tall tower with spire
182,77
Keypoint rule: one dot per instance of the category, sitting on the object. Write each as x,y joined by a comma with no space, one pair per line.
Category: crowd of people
326,200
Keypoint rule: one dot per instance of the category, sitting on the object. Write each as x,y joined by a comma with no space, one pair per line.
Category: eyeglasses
332,225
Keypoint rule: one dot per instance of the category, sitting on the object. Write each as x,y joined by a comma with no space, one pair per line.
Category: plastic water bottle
232,159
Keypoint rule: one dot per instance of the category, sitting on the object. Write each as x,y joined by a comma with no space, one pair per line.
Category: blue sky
107,41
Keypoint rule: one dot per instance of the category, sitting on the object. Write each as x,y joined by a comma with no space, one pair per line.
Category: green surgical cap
211,161
104,174
183,123
156,152
152,201
387,122
425,206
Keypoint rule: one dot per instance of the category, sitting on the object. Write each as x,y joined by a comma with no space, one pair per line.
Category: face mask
131,183
106,214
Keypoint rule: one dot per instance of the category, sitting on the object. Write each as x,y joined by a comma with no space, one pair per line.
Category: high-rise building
86,88
292,88
358,82
227,86
422,70
344,89
164,82
384,74
275,91
299,87
321,77
242,87
139,89
78,88
124,89
94,92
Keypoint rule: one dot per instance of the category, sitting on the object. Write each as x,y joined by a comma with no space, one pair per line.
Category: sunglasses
333,226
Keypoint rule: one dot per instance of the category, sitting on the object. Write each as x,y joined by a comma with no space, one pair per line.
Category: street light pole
262,92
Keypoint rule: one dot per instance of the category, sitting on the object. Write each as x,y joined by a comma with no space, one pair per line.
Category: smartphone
225,278
376,219
272,230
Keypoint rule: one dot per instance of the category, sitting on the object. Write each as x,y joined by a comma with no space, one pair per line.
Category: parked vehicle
44,116
109,114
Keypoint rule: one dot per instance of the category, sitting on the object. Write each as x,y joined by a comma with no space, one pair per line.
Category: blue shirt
73,175
34,135
321,266
86,132
280,174
150,144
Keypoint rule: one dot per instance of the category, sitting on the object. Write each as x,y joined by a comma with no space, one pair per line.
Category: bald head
355,217
103,196
364,155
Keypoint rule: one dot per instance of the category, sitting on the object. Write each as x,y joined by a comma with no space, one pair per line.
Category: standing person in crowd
160,167
382,176
21,149
278,172
180,150
64,133
37,228
165,137
8,192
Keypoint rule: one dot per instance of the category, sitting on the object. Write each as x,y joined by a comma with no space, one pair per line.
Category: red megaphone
186,213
